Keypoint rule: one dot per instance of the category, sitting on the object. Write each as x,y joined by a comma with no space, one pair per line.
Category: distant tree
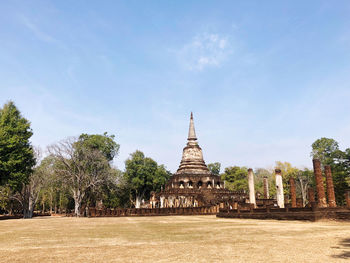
42,179
82,165
104,143
235,178
16,157
115,193
214,168
16,153
259,183
328,152
304,179
144,175
324,150
287,170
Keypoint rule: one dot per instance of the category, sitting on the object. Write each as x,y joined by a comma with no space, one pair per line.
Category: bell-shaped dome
192,158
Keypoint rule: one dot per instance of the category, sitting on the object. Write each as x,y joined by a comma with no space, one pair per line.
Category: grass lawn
172,239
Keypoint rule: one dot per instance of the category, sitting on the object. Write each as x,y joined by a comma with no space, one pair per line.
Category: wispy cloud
205,50
36,30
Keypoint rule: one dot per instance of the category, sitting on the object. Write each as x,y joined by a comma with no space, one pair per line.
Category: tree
144,175
305,178
259,182
324,150
287,170
42,177
328,152
16,153
235,178
214,168
113,192
80,166
104,143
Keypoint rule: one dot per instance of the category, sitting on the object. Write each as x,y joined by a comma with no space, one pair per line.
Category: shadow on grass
345,246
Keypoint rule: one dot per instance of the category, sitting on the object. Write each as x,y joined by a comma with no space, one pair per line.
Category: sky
264,79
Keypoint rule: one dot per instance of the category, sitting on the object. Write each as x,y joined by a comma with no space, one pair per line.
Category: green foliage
214,168
235,178
288,171
113,192
104,143
16,153
259,181
144,175
4,197
324,150
328,152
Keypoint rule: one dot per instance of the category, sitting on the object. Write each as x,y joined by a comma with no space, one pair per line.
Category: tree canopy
328,152
104,143
235,178
83,163
16,153
144,175
324,149
214,168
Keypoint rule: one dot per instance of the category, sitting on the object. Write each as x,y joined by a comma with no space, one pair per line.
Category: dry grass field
172,239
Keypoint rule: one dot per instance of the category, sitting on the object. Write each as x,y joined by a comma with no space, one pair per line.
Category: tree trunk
28,210
77,207
51,202
138,201
303,190
11,208
78,198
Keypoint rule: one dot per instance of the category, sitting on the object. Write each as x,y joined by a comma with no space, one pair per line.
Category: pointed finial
191,131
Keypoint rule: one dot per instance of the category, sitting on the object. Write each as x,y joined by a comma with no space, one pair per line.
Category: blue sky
264,79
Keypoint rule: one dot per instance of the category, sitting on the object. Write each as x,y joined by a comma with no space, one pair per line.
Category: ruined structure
311,195
314,211
321,197
330,187
193,185
279,188
293,195
251,187
266,188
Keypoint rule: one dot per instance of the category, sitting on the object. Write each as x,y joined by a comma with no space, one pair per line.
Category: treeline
78,172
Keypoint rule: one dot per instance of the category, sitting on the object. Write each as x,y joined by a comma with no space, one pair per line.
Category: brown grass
172,239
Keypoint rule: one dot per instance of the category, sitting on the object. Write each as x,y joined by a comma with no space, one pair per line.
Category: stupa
193,184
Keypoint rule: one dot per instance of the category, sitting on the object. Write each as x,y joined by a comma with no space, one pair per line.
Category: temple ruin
193,185
194,190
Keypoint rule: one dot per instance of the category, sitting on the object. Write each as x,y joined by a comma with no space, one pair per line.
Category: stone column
279,186
266,188
311,195
293,195
330,187
162,201
251,187
322,202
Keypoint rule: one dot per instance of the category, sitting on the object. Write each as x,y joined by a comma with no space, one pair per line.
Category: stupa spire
191,130
192,158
